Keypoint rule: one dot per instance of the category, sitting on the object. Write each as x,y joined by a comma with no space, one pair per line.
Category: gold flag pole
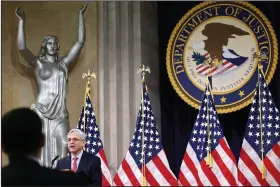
260,58
87,75
208,128
143,69
209,156
212,62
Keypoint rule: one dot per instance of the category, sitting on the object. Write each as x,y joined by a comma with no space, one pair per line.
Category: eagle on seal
218,35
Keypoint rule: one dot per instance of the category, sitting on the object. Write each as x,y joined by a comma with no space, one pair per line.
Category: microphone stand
53,160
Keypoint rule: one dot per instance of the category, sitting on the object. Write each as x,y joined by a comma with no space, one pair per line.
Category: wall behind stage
46,18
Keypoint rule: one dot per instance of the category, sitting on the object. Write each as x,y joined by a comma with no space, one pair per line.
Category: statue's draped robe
51,107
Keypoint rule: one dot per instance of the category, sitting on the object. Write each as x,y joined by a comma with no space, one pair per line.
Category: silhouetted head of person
22,133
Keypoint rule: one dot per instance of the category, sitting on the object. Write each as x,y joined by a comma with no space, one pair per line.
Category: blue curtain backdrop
177,116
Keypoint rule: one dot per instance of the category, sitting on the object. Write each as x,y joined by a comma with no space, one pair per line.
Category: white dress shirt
79,156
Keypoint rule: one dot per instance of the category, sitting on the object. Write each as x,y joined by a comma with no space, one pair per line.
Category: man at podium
80,161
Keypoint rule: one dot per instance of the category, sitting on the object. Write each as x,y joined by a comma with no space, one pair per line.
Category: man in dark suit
79,160
22,140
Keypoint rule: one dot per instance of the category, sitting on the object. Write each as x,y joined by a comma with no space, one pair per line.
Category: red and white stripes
223,172
250,167
106,174
157,172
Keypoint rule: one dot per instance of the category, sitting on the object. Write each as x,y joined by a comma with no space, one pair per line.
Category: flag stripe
229,161
183,181
123,176
165,162
218,172
251,164
150,178
243,180
164,171
190,175
136,171
199,66
224,169
269,179
190,164
272,169
204,179
106,179
227,150
249,174
130,175
214,69
118,181
274,160
276,150
204,69
209,173
103,157
156,173
197,166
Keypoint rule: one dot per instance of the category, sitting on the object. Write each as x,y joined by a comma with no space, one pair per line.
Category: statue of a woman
51,72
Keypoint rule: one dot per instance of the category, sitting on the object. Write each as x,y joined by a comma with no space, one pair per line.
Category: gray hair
81,133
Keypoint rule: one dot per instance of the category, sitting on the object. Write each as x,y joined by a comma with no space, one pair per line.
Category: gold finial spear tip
143,69
261,57
88,75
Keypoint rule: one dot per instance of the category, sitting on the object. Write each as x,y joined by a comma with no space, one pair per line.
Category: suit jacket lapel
68,162
83,162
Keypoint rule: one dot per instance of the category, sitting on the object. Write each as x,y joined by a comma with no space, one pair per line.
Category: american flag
94,144
263,111
195,170
153,159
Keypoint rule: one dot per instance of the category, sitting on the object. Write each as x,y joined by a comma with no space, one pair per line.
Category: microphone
53,160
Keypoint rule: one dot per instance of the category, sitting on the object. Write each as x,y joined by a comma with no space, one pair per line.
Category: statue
51,73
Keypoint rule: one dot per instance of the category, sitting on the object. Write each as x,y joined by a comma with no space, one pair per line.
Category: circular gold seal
226,40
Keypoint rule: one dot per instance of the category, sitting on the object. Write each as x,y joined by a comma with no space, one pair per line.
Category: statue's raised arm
29,57
76,49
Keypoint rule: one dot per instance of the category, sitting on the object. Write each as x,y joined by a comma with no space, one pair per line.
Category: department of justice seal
221,38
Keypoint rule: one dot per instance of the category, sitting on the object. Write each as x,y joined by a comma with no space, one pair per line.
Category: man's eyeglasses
73,139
